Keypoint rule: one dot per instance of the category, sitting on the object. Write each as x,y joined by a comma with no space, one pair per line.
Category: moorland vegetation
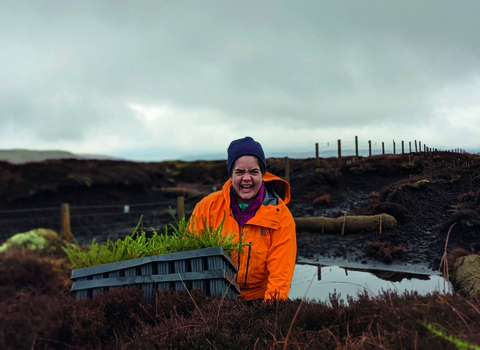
435,199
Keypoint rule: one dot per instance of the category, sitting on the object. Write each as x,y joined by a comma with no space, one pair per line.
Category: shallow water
316,282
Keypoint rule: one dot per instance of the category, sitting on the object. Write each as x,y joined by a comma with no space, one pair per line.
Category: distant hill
20,156
293,155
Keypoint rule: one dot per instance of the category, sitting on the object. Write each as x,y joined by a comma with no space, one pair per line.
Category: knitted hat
242,147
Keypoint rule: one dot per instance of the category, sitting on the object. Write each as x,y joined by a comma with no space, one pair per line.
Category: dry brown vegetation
39,312
384,251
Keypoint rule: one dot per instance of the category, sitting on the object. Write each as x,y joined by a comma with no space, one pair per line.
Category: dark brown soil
428,194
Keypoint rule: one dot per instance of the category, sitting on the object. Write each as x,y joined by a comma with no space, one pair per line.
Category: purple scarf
249,212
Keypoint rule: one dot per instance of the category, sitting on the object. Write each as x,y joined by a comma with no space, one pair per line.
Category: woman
252,204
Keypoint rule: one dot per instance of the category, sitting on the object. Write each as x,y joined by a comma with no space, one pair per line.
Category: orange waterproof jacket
266,265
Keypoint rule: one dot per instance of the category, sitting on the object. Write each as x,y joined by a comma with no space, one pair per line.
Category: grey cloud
309,63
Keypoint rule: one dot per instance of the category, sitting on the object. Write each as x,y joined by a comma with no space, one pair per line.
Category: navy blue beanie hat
242,147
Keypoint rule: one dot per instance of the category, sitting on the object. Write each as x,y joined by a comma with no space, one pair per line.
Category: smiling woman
252,205
247,179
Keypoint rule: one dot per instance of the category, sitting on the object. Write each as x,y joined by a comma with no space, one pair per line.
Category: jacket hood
276,188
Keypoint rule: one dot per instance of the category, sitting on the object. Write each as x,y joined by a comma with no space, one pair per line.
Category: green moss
180,165
177,164
88,181
28,240
81,179
408,166
357,170
420,183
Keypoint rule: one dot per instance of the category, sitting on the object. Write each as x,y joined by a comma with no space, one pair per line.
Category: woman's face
246,178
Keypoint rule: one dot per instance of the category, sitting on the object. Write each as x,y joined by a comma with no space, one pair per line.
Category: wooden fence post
369,148
287,169
410,146
416,150
344,221
383,148
317,158
420,146
339,153
356,148
66,231
181,207
394,149
403,147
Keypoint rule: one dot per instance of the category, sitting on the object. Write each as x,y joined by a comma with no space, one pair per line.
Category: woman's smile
246,178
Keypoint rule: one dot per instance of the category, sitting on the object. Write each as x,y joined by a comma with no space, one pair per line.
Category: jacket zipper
238,265
248,262
240,233
248,256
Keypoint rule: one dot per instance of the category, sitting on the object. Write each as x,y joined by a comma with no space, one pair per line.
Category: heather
40,312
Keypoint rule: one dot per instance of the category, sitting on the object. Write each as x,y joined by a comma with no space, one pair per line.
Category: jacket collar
275,188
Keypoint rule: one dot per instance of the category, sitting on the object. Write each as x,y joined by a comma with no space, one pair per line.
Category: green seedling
137,245
459,343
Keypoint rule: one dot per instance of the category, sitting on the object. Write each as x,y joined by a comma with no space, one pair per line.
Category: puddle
316,282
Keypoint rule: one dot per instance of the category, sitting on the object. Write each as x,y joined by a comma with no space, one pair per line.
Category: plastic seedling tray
209,269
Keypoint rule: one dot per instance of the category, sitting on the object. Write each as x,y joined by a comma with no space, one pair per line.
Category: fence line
86,207
381,147
116,222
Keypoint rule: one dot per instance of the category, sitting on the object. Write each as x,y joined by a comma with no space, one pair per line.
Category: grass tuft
178,238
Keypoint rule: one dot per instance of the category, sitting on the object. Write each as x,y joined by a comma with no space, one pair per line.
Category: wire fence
363,147
99,222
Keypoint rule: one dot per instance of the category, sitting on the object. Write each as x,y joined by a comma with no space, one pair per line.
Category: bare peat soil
427,193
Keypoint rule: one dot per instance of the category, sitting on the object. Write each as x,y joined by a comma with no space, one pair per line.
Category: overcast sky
155,80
